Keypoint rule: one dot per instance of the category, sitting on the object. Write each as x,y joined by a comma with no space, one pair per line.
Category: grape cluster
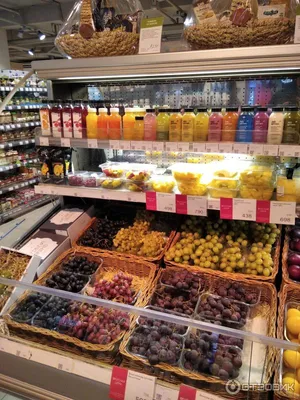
236,291
183,280
153,323
28,307
119,289
230,341
203,354
158,344
49,316
259,261
67,281
174,300
265,233
80,265
223,311
93,325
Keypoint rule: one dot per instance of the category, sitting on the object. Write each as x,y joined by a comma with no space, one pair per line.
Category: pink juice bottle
215,125
260,125
80,112
150,124
67,117
56,118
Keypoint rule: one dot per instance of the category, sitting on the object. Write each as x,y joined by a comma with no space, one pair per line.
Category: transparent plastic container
50,314
163,184
92,179
113,169
111,183
139,172
258,175
155,323
24,311
185,172
288,189
225,169
240,292
289,335
137,186
256,192
76,178
223,187
285,370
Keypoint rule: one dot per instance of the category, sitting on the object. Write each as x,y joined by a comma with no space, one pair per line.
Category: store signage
118,383
150,35
244,210
282,212
166,202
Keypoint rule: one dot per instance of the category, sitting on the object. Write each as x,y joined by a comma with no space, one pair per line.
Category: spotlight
41,35
20,33
31,52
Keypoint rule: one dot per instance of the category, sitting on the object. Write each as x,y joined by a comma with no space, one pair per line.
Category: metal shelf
16,125
9,167
65,142
236,61
19,185
16,143
23,107
23,89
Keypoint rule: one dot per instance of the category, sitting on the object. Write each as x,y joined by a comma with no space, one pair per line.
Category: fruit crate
103,252
285,254
266,293
288,294
232,275
55,338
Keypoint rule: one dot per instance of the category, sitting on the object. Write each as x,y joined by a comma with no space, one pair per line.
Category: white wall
4,54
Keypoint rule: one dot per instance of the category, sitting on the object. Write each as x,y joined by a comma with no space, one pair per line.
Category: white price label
19,125
19,107
240,148
199,147
32,124
164,393
65,142
13,126
225,148
26,107
114,144
166,202
256,149
26,124
65,364
139,386
92,143
287,151
124,145
44,141
9,108
213,204
23,352
282,213
212,147
244,210
10,189
197,205
183,147
171,146
16,187
202,395
158,146
26,141
136,145
147,145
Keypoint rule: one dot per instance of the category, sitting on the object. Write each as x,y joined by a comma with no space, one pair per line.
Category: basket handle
86,25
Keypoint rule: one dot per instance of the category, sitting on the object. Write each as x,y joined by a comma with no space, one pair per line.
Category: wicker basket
224,35
89,43
233,275
285,273
102,252
268,301
134,267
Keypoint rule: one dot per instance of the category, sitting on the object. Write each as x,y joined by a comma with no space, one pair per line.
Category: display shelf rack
15,143
9,167
19,125
66,142
19,185
23,89
24,208
23,107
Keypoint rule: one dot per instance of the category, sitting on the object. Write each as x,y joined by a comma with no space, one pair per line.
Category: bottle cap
216,109
150,110
202,109
232,108
139,118
188,110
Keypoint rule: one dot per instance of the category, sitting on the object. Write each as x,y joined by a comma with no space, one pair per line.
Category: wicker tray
103,252
60,340
232,275
268,299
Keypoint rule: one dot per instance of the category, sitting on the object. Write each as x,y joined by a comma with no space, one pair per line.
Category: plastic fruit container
288,189
193,188
111,183
136,186
185,172
288,376
295,324
92,179
256,192
75,179
28,307
163,184
139,172
258,175
113,169
223,187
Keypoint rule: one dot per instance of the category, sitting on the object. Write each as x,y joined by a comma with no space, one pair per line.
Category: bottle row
233,124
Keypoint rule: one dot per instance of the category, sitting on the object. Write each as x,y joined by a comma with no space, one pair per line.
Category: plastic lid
139,118
150,110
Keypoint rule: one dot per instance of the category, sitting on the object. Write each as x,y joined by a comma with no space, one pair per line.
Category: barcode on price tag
139,386
244,210
92,144
166,202
282,212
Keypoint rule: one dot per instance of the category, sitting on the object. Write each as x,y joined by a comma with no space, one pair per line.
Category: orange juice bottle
128,124
102,124
45,117
175,126
201,125
229,124
114,124
138,132
91,123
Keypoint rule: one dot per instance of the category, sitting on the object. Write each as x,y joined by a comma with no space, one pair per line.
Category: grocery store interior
149,199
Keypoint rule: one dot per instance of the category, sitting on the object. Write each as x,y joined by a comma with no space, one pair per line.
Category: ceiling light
31,52
41,35
20,33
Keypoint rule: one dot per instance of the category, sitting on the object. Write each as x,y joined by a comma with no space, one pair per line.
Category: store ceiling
30,16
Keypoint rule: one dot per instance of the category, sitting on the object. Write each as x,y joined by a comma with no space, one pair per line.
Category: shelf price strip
190,393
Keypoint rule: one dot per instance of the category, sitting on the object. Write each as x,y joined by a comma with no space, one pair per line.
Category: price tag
124,145
26,124
136,145
151,203
19,125
263,211
114,144
23,352
65,142
27,142
92,143
199,147
9,108
270,150
165,393
65,364
187,393
16,187
287,151
44,141
7,88
19,107
150,35
197,205
171,146
181,204
21,89
158,146
240,148
13,126
10,189
256,149
244,210
139,386
282,213
26,107
146,146
213,204
226,208
21,143
183,147
32,124
166,202
225,148
118,382
212,147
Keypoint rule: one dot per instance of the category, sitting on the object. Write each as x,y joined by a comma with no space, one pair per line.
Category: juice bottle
102,124
150,124
67,116
162,121
201,125
188,122
276,123
138,132
229,125
114,124
128,124
45,117
245,125
260,125
91,123
175,126
80,113
291,125
56,118
215,125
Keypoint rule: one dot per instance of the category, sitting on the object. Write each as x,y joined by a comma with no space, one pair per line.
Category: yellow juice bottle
162,125
201,125
138,133
175,125
188,122
92,124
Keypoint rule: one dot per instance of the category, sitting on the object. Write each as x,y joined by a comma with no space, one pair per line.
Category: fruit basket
290,260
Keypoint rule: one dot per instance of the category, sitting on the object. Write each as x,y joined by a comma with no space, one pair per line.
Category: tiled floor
5,396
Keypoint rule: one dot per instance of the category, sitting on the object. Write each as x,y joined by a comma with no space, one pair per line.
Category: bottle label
291,132
215,129
68,124
187,130
244,132
275,131
45,122
56,124
77,125
175,130
260,130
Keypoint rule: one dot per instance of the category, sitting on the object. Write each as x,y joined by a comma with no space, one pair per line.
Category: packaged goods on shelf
288,185
257,181
162,184
223,187
113,170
